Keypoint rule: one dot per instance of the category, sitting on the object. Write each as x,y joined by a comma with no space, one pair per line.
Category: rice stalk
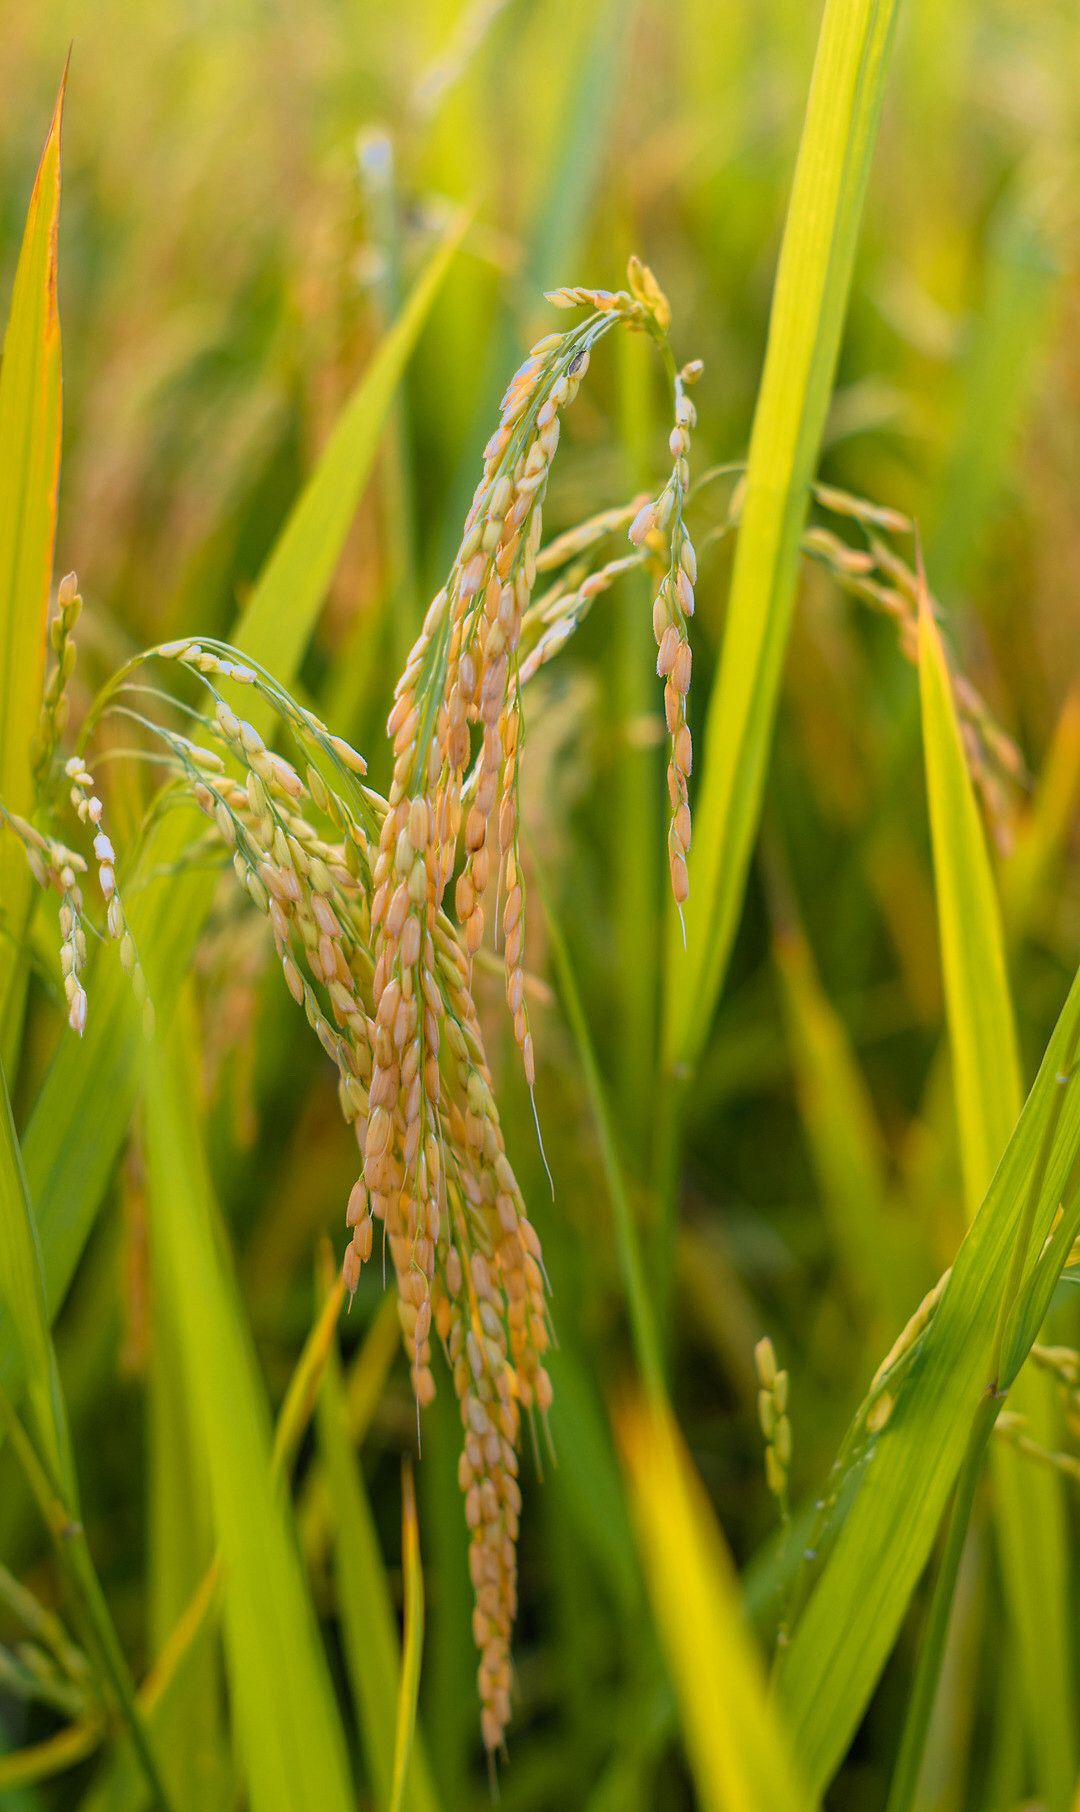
353,887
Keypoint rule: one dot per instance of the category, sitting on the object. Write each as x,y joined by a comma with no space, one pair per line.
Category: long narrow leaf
981,1032
738,1751
48,1447
920,1431
986,1073
284,1712
188,1649
22,1295
844,1139
29,474
188,1725
809,305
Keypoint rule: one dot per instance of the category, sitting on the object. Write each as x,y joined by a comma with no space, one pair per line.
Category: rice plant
626,1355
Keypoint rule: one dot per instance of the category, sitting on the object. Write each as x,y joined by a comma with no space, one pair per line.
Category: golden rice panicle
658,521
314,892
457,679
513,912
494,1214
402,1162
646,290
491,1315
354,890
472,1322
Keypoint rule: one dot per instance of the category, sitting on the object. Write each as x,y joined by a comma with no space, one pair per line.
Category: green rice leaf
22,1293
982,1035
368,1625
738,1752
189,1649
809,304
30,408
844,1139
288,1733
856,1594
48,1454
986,1075
186,1722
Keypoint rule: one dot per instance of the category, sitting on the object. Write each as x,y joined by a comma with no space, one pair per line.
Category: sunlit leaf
809,305
986,1077
877,1532
284,1711
30,407
737,1748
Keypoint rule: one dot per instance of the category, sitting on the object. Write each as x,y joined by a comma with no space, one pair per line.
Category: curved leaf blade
986,1071
738,1750
30,409
288,1732
809,304
850,1622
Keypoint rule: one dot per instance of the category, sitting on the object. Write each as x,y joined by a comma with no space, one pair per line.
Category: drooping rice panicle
353,888
882,577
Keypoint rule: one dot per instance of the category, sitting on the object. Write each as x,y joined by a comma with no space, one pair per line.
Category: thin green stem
666,1167
41,1761
69,1539
638,790
628,1246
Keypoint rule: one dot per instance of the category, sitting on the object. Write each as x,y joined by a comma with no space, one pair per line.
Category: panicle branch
355,890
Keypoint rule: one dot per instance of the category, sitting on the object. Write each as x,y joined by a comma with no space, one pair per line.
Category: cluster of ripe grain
354,889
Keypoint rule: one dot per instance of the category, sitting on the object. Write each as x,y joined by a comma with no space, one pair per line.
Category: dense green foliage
299,253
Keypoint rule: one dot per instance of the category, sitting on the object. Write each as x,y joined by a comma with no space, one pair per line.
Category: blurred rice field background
250,192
